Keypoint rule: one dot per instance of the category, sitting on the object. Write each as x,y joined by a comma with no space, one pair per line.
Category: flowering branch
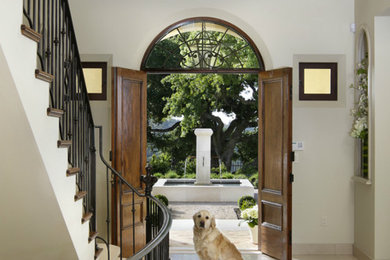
360,112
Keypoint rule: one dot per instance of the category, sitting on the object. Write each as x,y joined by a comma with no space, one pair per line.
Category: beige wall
280,29
371,229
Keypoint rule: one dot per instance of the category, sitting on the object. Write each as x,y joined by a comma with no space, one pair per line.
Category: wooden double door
275,141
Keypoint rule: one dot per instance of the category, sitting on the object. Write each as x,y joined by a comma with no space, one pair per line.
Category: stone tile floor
180,236
181,245
181,232
259,256
185,210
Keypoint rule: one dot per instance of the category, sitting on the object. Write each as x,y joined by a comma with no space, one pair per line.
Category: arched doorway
209,45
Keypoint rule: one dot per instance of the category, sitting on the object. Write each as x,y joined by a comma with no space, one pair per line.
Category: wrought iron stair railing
59,60
158,217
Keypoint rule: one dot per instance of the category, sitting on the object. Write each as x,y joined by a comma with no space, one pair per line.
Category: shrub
240,176
227,175
190,176
162,198
160,163
191,166
254,179
158,175
172,175
179,168
247,169
246,202
214,176
216,169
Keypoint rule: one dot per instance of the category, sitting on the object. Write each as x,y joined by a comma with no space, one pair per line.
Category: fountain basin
225,190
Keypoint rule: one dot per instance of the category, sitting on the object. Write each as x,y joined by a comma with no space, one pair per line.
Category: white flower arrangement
250,216
360,113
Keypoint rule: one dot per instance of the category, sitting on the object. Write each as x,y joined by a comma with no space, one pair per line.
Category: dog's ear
194,216
213,224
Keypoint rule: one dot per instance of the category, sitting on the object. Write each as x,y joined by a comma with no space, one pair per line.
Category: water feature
203,189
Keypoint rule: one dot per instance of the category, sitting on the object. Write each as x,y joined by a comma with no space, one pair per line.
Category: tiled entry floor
264,257
181,245
182,248
180,236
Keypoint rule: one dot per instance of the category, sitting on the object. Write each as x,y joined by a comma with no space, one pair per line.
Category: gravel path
221,210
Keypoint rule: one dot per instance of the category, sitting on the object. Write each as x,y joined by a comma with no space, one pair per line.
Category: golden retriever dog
209,242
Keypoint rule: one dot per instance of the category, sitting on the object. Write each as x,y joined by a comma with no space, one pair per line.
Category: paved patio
185,210
181,232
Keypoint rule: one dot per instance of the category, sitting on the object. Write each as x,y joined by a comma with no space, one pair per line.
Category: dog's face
204,220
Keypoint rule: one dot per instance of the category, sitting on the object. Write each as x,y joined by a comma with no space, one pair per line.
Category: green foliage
158,175
227,175
172,175
214,176
216,169
195,97
190,176
179,168
247,146
240,176
160,163
248,169
254,179
191,166
163,199
246,202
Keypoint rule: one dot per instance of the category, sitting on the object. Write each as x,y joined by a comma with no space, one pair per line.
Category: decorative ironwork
58,55
202,44
158,217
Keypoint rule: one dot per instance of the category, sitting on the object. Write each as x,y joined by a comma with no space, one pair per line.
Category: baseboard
359,254
322,249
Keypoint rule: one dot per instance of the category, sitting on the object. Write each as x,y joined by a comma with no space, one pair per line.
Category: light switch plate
297,146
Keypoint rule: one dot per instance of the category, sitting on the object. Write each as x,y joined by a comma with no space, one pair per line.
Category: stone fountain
203,189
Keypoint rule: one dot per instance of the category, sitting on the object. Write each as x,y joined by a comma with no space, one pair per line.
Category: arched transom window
205,45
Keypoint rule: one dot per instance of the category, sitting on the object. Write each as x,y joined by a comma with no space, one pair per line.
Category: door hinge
290,237
292,156
110,156
291,177
290,92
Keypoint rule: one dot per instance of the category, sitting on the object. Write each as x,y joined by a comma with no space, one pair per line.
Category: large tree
196,97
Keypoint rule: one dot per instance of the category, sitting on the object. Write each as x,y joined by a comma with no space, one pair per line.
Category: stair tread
92,236
115,251
72,171
64,143
30,33
79,195
87,216
98,252
55,112
40,74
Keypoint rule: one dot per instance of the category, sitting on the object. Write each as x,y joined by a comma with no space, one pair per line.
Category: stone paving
185,210
181,232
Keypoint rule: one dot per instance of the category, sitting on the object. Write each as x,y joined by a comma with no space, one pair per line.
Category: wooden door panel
275,140
128,157
131,131
273,120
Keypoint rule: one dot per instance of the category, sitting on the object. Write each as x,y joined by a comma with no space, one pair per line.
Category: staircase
47,151
44,207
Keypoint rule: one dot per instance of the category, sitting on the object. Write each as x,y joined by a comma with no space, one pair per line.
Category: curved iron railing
158,220
58,55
